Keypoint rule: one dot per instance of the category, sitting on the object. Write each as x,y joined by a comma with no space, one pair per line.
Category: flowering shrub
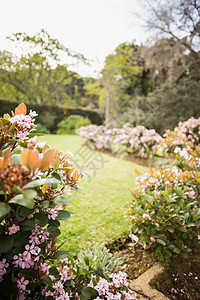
185,134
165,211
114,289
138,139
34,182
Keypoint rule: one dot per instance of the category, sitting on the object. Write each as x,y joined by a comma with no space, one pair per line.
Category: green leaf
8,144
25,199
5,121
28,225
1,229
52,229
18,250
21,238
56,176
197,212
4,209
170,229
39,182
48,204
55,223
176,250
186,216
62,200
18,214
53,271
160,242
184,254
6,243
47,281
63,215
86,260
60,254
24,212
182,229
89,293
41,219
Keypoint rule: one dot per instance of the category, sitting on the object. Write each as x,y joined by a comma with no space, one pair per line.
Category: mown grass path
99,210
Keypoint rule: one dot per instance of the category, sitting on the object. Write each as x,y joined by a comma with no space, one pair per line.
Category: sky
93,28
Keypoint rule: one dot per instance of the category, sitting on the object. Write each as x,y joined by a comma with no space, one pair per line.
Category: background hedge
50,116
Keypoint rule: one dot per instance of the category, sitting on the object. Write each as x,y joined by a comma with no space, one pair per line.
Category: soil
180,281
131,157
137,259
153,162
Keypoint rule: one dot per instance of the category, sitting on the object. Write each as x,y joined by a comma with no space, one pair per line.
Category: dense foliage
35,182
70,124
165,210
50,116
126,139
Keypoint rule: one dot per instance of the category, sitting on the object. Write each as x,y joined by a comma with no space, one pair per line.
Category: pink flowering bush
127,139
34,182
186,134
165,211
114,289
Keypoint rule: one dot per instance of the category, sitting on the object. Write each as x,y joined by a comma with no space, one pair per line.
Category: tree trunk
107,111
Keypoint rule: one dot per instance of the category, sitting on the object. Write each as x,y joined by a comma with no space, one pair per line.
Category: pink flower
22,283
152,238
59,288
119,279
13,229
146,216
45,268
198,236
3,266
49,293
23,261
191,194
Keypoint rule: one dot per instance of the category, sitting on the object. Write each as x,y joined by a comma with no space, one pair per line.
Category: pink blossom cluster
132,139
139,139
52,213
157,178
31,254
38,235
57,291
3,266
186,133
28,258
112,290
24,123
99,136
22,287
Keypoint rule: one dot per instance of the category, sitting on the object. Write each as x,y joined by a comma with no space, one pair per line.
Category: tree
125,78
178,22
37,76
165,107
93,92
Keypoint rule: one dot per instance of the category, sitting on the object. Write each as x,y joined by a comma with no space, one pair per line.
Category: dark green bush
40,128
71,123
50,116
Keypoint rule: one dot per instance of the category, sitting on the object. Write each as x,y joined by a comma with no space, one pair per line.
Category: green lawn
99,210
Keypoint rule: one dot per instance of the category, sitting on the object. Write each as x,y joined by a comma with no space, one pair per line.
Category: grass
99,210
